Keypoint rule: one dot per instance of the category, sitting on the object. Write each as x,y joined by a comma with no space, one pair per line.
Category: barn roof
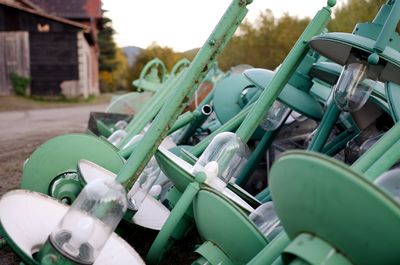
20,5
72,9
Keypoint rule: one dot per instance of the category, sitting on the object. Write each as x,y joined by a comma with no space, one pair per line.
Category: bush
20,83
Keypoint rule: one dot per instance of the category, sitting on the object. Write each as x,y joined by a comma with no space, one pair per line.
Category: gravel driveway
21,132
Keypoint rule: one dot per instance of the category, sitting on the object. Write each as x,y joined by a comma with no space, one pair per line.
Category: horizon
173,31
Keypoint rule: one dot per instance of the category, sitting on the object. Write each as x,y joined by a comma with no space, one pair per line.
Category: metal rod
272,251
191,77
325,128
389,28
340,142
384,162
149,110
157,249
182,121
282,76
200,116
256,156
369,158
231,125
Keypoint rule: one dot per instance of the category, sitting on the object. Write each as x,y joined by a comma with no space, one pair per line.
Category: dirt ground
22,131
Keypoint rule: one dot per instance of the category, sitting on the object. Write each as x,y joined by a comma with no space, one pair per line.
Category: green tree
353,12
264,43
107,46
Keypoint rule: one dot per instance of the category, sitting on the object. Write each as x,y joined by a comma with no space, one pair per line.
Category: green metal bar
200,116
325,128
282,76
340,142
299,261
384,162
196,71
150,110
256,156
153,63
182,121
369,158
278,261
231,125
103,128
127,151
389,28
159,245
272,251
265,193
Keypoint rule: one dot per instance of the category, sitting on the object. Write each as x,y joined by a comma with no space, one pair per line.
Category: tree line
263,43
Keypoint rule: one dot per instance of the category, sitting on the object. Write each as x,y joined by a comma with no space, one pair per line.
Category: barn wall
14,58
53,50
53,61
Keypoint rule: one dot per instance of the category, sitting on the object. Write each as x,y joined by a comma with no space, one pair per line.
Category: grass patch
10,103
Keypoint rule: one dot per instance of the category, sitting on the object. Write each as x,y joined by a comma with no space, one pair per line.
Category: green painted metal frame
257,112
147,78
378,159
186,87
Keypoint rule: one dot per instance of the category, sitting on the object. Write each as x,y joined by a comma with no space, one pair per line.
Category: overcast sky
186,24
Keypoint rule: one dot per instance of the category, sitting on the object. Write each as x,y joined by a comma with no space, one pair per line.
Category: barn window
43,27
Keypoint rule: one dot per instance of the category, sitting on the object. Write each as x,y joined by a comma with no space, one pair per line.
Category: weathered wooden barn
58,54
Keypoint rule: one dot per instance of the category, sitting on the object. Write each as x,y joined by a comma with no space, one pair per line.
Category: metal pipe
378,150
389,28
272,251
384,162
191,78
200,116
282,76
256,156
340,142
325,128
182,121
149,110
157,249
231,125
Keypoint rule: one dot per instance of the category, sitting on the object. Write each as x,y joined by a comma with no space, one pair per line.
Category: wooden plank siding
14,58
54,59
52,46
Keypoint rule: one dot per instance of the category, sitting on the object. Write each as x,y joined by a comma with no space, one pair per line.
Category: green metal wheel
214,215
318,195
59,157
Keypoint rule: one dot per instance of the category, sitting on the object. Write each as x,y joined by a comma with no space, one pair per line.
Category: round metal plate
298,100
62,154
130,103
175,168
227,95
152,213
220,221
27,218
179,172
318,195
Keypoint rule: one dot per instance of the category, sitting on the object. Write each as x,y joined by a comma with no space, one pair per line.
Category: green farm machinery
323,125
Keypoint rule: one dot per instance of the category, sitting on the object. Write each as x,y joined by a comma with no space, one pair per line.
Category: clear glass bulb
79,235
267,221
85,228
143,184
275,116
390,183
355,85
223,159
